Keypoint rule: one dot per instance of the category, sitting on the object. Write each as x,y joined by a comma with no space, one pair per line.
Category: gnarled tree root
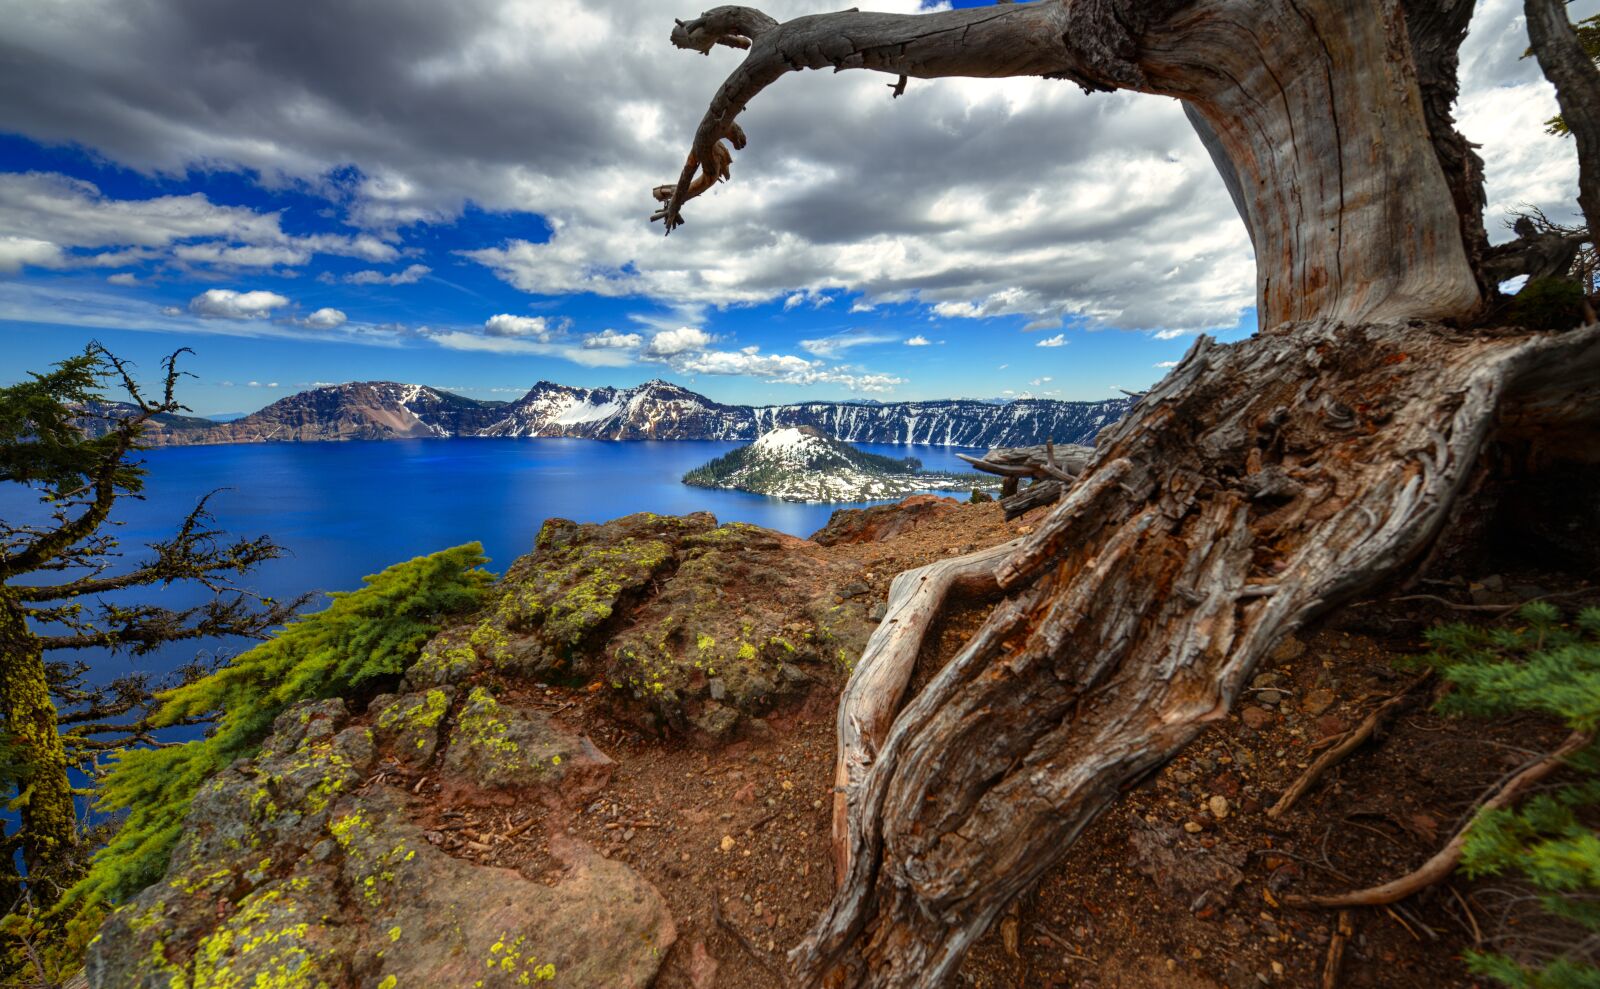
1439,867
872,697
1257,486
1352,740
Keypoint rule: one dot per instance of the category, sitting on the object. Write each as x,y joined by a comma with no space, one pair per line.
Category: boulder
503,747
294,869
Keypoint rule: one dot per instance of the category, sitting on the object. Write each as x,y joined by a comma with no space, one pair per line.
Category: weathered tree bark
1316,105
1257,486
1577,83
1053,469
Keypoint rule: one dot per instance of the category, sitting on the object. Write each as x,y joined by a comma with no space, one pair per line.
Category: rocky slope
620,774
800,464
655,410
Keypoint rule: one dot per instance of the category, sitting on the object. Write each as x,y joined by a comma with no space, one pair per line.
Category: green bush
1552,668
376,631
1548,304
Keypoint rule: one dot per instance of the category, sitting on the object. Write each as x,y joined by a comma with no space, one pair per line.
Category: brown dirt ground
736,836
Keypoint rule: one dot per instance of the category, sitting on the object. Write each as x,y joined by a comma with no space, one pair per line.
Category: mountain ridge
654,410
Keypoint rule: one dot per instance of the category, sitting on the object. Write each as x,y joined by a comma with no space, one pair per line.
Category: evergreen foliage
1548,304
1552,668
66,584
377,631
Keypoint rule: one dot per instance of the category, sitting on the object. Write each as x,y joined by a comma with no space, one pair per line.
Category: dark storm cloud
1019,197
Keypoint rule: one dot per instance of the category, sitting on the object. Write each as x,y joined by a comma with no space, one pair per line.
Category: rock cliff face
800,464
655,410
423,839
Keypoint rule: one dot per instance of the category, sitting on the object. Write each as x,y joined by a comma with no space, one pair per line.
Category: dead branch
1351,741
1343,930
1444,861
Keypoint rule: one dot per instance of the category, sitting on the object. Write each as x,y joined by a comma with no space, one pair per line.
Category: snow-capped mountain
364,410
655,410
797,463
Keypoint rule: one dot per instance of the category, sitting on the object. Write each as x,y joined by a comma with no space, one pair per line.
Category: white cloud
536,328
223,303
412,274
612,340
1036,382
15,252
325,319
72,214
1059,340
246,256
837,344
1165,364
684,339
917,341
123,278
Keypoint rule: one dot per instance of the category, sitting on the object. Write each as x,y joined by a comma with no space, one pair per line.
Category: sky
458,194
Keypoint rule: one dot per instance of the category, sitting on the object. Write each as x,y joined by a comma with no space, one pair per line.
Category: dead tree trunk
1577,83
1255,487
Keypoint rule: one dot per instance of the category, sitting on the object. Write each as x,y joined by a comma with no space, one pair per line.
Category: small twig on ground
1444,861
1352,740
1061,943
1401,921
1343,930
1496,608
1477,932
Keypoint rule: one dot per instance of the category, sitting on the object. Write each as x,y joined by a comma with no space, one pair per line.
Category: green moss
422,714
482,728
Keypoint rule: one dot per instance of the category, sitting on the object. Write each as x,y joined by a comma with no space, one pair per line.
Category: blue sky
460,197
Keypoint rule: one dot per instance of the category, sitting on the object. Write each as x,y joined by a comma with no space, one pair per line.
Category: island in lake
801,464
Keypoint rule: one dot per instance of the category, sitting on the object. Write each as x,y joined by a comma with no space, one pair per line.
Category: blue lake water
344,510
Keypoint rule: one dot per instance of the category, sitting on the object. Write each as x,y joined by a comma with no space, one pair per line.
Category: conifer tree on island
1256,487
60,437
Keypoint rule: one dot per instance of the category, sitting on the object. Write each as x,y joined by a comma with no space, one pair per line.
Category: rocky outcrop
688,624
880,522
655,410
302,868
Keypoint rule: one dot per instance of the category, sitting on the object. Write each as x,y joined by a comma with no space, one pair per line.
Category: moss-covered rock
556,605
497,747
749,617
690,625
411,723
297,871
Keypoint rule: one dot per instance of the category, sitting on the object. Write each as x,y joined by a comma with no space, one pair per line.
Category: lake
345,510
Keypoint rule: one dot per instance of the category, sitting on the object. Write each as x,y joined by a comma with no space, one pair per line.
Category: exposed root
872,697
1256,487
1444,862
1351,741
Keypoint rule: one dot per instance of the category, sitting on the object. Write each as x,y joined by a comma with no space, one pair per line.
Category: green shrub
1552,668
373,632
1548,304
